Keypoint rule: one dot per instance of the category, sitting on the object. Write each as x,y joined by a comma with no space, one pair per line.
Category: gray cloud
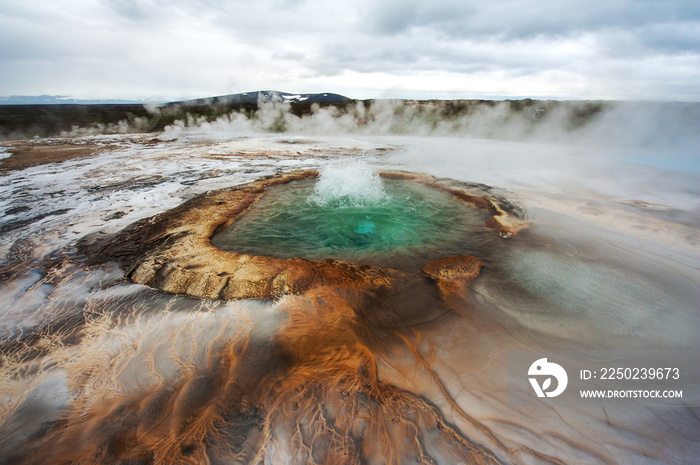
191,48
130,9
510,19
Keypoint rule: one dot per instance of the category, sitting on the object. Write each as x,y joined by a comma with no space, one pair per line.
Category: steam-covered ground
95,369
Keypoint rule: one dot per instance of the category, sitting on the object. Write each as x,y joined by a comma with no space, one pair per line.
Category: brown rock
452,274
506,225
460,267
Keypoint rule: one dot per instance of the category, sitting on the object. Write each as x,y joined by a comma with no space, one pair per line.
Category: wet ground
95,369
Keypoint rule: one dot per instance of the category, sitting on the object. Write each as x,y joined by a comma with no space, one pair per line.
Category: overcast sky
170,49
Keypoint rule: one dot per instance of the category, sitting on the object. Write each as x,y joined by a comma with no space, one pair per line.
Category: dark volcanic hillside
264,96
23,121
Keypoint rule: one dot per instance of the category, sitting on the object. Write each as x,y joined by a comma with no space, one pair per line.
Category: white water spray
349,184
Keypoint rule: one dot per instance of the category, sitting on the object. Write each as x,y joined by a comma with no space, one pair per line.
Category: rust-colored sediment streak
172,251
308,394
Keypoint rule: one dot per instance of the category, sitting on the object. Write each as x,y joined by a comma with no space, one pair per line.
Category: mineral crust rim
172,251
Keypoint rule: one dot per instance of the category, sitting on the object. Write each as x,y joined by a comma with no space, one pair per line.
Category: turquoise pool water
406,218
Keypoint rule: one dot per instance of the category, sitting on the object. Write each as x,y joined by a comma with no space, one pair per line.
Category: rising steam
624,125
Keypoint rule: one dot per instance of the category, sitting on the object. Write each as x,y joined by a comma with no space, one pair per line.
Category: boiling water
348,184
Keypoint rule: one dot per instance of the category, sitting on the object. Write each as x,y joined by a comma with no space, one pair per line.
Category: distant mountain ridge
264,96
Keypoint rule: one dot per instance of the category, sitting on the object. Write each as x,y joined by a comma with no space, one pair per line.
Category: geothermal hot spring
263,299
351,213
